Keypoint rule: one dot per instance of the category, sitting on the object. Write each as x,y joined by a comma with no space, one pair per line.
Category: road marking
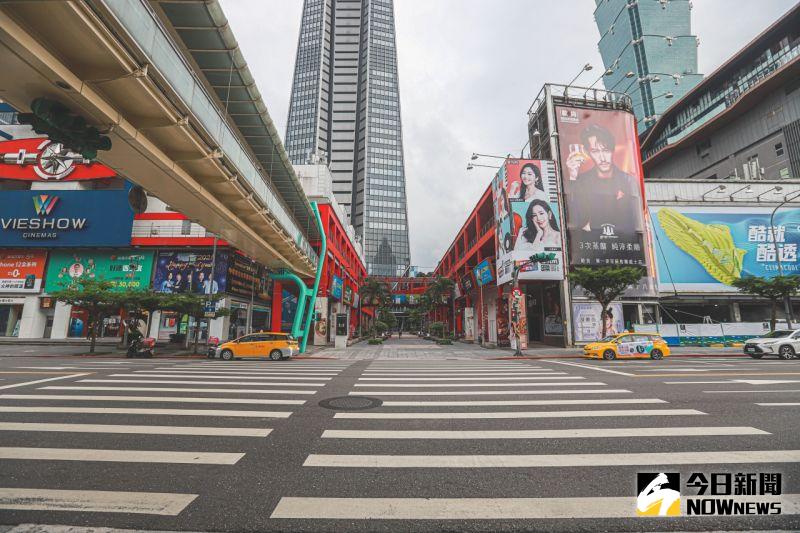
203,376
463,374
469,379
520,414
25,384
179,389
726,375
489,392
450,385
749,391
122,456
592,401
170,412
276,373
164,399
587,433
554,461
590,367
478,508
139,430
185,382
779,404
94,501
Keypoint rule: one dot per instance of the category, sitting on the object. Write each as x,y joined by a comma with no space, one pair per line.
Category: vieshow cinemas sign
59,218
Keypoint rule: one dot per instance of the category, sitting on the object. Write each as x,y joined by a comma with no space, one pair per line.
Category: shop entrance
10,316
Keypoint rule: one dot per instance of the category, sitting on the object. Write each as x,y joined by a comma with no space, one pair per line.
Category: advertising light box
128,269
704,249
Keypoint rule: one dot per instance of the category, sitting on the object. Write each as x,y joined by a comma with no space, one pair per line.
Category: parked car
272,344
785,343
627,345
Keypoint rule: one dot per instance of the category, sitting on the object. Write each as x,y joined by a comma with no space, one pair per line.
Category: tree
96,297
386,316
440,291
374,292
775,289
193,305
140,303
605,284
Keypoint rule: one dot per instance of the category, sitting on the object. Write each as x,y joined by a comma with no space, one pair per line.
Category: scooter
141,347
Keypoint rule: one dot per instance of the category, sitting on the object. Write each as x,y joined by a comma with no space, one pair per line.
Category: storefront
21,277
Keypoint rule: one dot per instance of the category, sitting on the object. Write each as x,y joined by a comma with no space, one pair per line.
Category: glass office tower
345,111
652,39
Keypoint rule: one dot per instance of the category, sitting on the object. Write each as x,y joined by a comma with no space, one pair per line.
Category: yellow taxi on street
275,345
628,345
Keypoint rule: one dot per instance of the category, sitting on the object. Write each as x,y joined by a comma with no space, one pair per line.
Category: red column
277,308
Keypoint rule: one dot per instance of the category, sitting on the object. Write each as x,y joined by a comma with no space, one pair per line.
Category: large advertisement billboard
129,269
602,185
191,272
588,323
710,247
22,271
525,196
247,278
65,218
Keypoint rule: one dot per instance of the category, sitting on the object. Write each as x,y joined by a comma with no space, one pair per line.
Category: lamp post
787,301
586,68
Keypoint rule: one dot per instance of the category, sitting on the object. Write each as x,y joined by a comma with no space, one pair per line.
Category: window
703,148
779,149
752,169
186,227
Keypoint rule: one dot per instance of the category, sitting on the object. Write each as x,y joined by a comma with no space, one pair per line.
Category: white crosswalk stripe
152,399
169,412
490,393
520,414
317,383
701,431
138,430
152,503
188,382
183,389
123,456
450,385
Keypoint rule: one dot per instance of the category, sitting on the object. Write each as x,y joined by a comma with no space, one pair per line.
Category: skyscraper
649,49
345,109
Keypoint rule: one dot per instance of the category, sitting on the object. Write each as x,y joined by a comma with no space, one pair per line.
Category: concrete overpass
168,82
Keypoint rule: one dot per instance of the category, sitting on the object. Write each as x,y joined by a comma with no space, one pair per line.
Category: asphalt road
446,445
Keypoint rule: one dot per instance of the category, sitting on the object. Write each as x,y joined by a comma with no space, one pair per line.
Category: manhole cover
350,403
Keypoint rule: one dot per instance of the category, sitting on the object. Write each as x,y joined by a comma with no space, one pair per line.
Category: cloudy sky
469,70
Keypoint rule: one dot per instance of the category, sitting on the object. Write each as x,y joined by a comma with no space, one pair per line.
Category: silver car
785,343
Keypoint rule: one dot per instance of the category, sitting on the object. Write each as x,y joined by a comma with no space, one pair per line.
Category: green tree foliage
374,293
775,289
193,305
605,284
96,297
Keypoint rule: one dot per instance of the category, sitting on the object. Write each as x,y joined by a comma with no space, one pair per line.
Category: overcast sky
469,70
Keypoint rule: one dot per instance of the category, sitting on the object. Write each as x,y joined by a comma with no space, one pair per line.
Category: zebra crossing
214,415
421,457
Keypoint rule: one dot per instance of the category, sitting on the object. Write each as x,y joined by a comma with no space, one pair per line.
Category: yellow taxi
627,345
275,345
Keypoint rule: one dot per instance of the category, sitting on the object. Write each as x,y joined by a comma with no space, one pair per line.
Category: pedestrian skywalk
509,440
140,423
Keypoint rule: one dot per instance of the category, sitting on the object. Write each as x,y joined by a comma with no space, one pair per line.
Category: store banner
22,271
588,325
180,272
65,218
483,273
347,296
248,278
126,269
336,287
526,209
467,284
40,159
711,247
603,187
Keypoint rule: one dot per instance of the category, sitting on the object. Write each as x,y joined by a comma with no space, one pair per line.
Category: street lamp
747,189
470,166
788,301
628,75
777,190
586,68
475,156
718,188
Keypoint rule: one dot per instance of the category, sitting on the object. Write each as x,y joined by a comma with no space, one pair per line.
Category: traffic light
55,120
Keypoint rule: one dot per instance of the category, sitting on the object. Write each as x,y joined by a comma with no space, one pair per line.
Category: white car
785,343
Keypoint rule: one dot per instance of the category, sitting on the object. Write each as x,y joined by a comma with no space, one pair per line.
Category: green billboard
125,268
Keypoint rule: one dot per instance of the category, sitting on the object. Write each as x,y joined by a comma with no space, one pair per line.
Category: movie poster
525,196
602,185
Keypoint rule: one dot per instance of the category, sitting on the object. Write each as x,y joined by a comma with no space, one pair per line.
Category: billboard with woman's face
525,196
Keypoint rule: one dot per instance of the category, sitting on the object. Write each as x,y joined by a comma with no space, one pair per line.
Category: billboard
589,326
179,272
483,273
603,187
247,278
710,247
40,159
467,283
128,269
525,197
65,218
22,271
336,287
